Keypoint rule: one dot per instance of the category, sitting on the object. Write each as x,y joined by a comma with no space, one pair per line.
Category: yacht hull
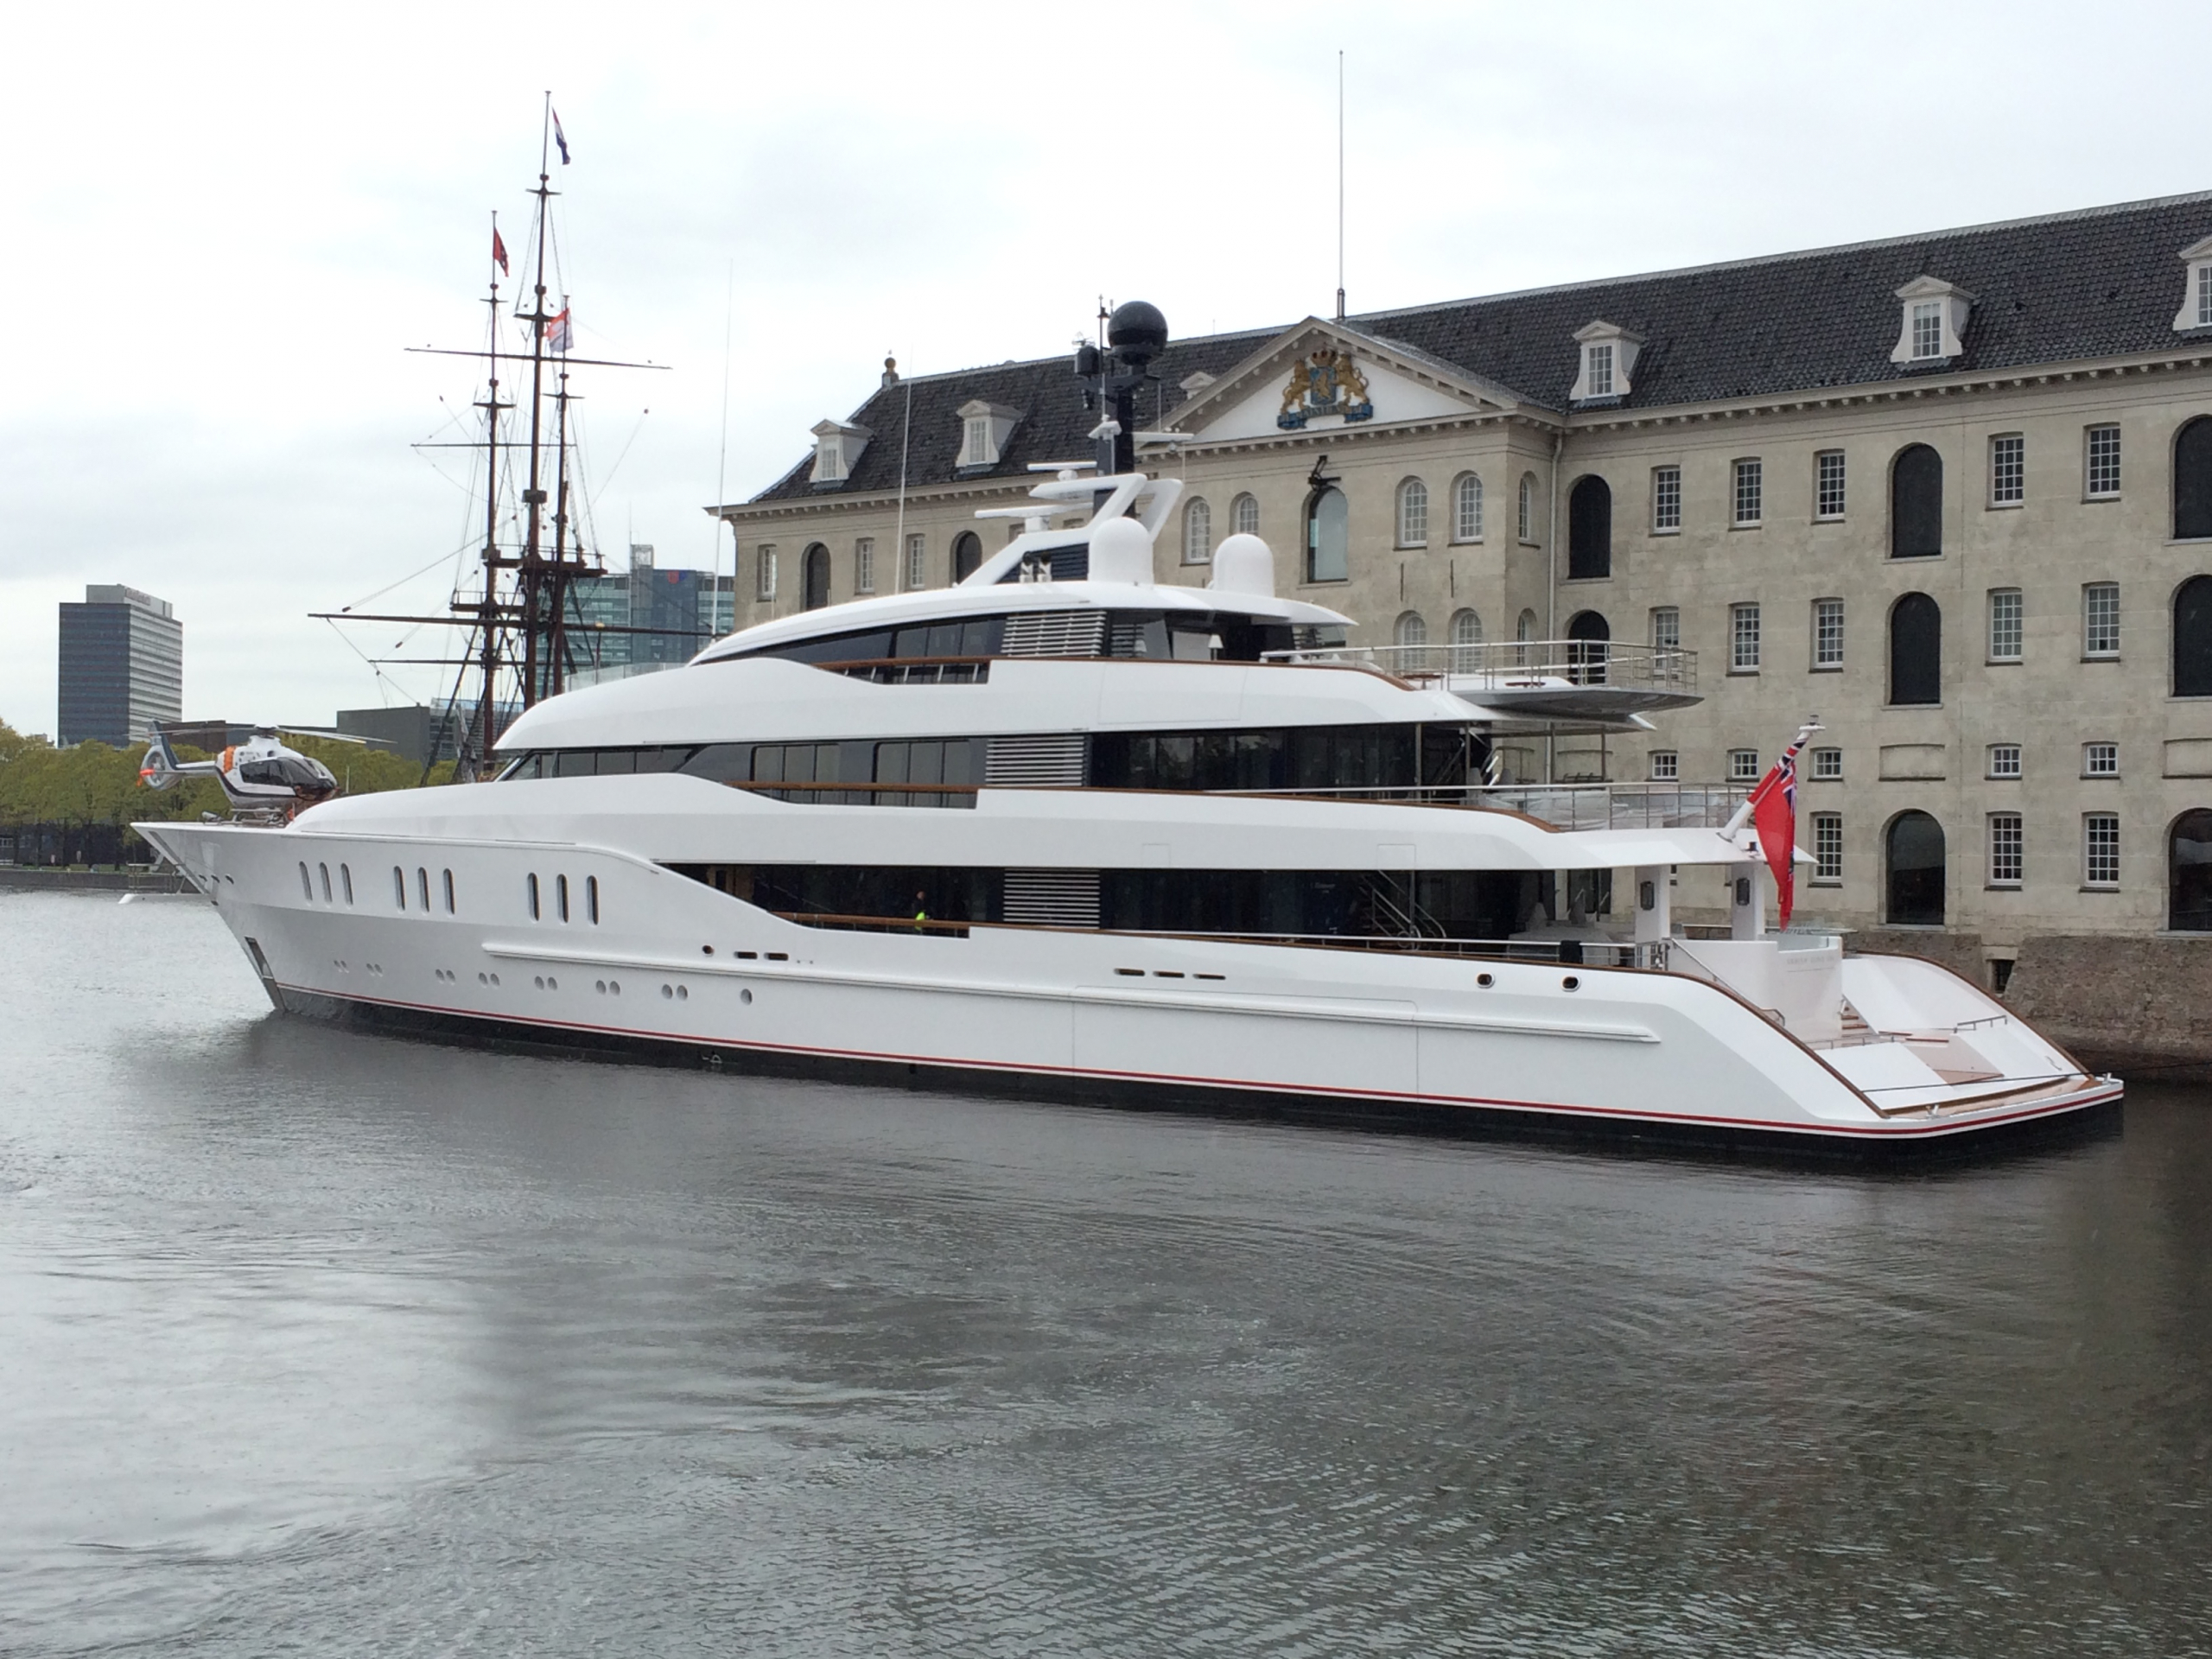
663,968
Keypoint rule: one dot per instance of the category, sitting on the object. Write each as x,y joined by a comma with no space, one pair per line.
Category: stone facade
2043,355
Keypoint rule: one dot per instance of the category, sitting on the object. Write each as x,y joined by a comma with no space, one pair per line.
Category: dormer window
984,429
1934,321
1609,353
837,448
2196,298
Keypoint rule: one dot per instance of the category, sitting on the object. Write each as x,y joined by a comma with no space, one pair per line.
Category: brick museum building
1951,493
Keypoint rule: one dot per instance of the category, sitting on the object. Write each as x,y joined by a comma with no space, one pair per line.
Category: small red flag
498,251
1774,813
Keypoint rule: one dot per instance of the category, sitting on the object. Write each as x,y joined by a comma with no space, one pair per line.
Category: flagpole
1750,800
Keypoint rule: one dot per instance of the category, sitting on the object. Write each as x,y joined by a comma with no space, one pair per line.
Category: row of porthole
307,883
561,899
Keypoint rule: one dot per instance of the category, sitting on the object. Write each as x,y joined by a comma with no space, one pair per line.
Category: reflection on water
355,1346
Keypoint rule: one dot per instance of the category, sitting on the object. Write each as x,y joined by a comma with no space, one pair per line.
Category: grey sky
223,226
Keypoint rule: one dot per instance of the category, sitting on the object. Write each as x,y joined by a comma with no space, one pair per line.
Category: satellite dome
1137,331
1245,564
1121,551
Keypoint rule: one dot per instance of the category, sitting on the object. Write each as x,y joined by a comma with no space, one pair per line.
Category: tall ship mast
522,635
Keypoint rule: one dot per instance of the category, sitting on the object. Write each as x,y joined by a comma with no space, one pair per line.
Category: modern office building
687,609
122,667
1950,492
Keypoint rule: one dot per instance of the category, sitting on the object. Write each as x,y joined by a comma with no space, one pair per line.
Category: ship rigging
525,634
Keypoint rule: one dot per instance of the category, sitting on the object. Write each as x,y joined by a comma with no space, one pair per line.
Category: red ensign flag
1774,813
498,251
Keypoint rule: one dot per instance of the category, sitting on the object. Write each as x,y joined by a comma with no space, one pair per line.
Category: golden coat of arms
1327,382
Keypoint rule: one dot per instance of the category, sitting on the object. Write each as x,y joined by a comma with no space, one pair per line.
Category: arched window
1587,637
967,554
1467,509
1466,635
1590,528
1328,536
1412,636
1912,853
1244,515
1412,513
1916,503
814,578
2193,638
2193,480
1197,532
1525,518
2188,872
1916,650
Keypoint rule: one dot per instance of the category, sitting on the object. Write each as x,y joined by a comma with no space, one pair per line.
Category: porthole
551,984
1571,984
600,985
745,996
306,887
591,899
495,981
614,988
323,871
538,980
346,880
1484,981
706,949
668,991
483,979
682,994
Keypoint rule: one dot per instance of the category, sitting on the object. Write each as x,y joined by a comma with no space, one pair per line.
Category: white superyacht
1063,828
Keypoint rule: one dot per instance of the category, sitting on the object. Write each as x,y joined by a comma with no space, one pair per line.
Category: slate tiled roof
2105,282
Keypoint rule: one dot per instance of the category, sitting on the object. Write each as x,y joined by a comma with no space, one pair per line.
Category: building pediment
1319,376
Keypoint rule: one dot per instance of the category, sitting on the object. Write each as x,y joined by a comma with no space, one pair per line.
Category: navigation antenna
1340,184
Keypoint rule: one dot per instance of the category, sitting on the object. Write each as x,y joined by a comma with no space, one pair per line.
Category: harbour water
338,1345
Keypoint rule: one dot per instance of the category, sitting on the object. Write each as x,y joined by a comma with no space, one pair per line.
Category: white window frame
1244,515
2100,850
2007,625
1466,631
1830,494
1747,497
2008,469
2100,759
864,564
1828,636
1743,766
918,570
1666,500
2005,841
2100,457
1828,766
2100,622
1467,508
1827,849
1198,531
1412,513
2004,763
1525,516
1927,330
1744,644
1666,766
1666,628
1597,368
764,584
2204,296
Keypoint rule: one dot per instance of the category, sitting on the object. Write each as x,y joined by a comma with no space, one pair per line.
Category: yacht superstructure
1063,827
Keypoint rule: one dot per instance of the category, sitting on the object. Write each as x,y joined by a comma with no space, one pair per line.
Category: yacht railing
1570,953
1564,806
1519,664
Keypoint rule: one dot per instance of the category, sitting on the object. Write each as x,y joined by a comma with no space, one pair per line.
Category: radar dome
1121,551
1245,564
1137,331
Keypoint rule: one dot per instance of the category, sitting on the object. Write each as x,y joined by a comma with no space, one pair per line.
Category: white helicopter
260,776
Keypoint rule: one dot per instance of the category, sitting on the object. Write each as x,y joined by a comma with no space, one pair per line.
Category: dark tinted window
1590,529
2193,638
2193,480
1914,854
1916,503
1916,650
2188,873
